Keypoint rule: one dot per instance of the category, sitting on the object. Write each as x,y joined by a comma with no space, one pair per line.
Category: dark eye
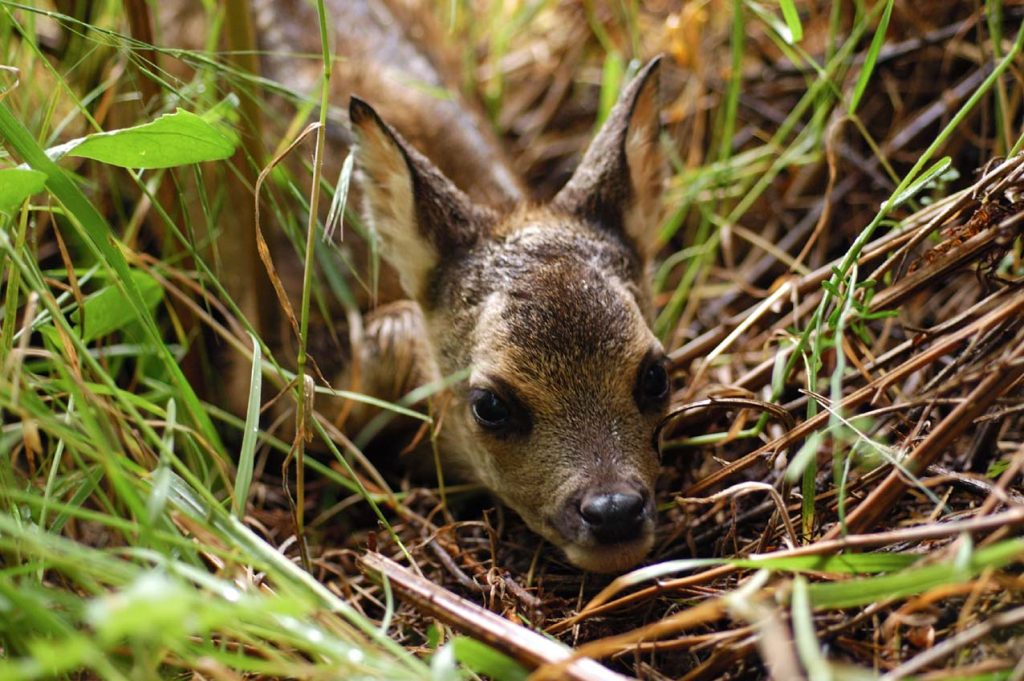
652,385
489,410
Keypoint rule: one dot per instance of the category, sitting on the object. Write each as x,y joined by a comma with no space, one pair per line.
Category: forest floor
841,291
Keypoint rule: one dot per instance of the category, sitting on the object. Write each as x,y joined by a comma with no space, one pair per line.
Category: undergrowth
839,289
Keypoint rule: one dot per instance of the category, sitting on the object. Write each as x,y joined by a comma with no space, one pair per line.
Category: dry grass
841,494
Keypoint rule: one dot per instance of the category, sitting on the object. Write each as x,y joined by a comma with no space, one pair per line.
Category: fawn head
548,307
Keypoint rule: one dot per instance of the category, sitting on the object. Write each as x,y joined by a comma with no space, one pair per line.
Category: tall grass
119,550
126,545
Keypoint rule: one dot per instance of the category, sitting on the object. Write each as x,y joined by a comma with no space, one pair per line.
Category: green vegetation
161,516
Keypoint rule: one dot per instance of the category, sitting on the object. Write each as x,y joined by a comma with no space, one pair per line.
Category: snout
614,516
607,528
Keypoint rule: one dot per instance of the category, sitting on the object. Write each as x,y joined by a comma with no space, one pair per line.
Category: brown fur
549,308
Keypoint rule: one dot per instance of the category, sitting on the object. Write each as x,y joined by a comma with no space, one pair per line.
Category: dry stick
1008,618
808,283
723,658
943,346
704,343
688,642
514,640
142,30
882,361
744,488
716,531
760,309
1003,375
1012,517
910,130
996,492
242,275
967,252
933,216
781,68
775,639
600,603
986,185
742,403
1000,492
707,611
1017,674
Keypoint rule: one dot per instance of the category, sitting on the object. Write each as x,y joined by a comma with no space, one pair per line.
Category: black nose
613,517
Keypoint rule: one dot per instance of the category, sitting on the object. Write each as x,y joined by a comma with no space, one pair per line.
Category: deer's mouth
610,558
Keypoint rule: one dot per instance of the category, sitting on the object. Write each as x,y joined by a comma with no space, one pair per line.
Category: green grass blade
612,74
100,235
478,657
847,563
792,17
927,177
807,645
162,475
108,310
871,58
247,455
857,592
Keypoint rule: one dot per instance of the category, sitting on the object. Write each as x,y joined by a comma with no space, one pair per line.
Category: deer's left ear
618,184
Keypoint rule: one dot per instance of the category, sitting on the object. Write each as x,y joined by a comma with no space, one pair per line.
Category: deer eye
489,410
652,385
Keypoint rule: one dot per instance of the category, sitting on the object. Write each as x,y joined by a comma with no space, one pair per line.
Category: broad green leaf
17,184
173,139
97,230
108,310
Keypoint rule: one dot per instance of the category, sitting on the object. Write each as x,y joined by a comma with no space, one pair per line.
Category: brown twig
949,646
522,644
1001,377
601,603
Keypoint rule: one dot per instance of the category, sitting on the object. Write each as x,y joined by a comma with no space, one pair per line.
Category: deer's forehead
540,248
574,327
540,298
571,312
537,257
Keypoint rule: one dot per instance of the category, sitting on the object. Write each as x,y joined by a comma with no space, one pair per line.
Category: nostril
601,509
613,517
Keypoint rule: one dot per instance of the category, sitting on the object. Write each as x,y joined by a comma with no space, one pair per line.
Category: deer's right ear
418,214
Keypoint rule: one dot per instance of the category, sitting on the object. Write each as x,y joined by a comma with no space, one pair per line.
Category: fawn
549,308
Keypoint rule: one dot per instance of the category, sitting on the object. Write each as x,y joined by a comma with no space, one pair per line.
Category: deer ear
417,213
617,186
